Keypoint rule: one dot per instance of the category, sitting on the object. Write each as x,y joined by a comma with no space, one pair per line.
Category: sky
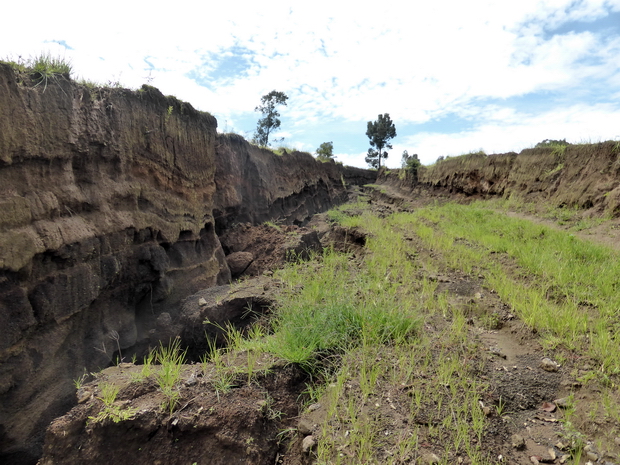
454,76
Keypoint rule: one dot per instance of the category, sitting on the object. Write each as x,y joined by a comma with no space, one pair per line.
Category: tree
411,163
380,133
325,152
270,120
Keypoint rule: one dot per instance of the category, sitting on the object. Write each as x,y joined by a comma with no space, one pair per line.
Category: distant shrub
551,143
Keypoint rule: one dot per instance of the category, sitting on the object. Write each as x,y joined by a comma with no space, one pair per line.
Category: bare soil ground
264,417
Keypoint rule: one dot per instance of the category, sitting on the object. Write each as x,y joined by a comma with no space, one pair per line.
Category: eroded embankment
586,176
110,203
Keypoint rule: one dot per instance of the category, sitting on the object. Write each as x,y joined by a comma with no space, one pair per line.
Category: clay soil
263,418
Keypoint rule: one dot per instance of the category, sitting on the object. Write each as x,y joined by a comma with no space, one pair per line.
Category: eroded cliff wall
255,185
107,201
585,176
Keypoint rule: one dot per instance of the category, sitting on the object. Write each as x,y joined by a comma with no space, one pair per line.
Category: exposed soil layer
112,201
238,426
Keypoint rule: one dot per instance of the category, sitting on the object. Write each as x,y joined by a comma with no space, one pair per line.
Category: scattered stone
535,459
238,262
564,458
497,351
477,296
552,454
313,407
548,407
304,427
191,380
518,442
562,402
549,365
593,456
202,301
83,395
431,458
308,444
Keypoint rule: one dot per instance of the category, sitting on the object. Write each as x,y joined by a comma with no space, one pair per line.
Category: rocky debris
549,365
238,262
206,314
305,427
346,239
253,250
165,330
431,458
563,402
517,441
308,444
210,426
497,351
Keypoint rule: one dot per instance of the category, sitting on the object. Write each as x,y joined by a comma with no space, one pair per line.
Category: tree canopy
325,152
379,132
271,118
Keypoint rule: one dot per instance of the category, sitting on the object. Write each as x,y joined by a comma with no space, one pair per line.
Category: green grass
43,68
563,287
171,359
111,410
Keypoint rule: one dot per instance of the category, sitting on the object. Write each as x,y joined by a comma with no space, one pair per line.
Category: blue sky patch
228,65
609,24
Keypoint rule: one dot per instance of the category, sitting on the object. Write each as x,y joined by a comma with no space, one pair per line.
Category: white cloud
578,123
345,63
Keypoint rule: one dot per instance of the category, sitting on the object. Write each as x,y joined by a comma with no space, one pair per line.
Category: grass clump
339,303
171,359
43,69
111,410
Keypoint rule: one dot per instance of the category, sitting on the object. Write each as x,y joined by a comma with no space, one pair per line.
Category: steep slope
108,199
584,175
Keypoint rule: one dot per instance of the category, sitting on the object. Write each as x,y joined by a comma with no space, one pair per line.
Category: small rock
564,458
549,365
304,427
202,301
497,351
548,407
308,444
478,296
83,395
562,403
552,454
191,380
431,458
238,262
313,407
592,456
518,442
